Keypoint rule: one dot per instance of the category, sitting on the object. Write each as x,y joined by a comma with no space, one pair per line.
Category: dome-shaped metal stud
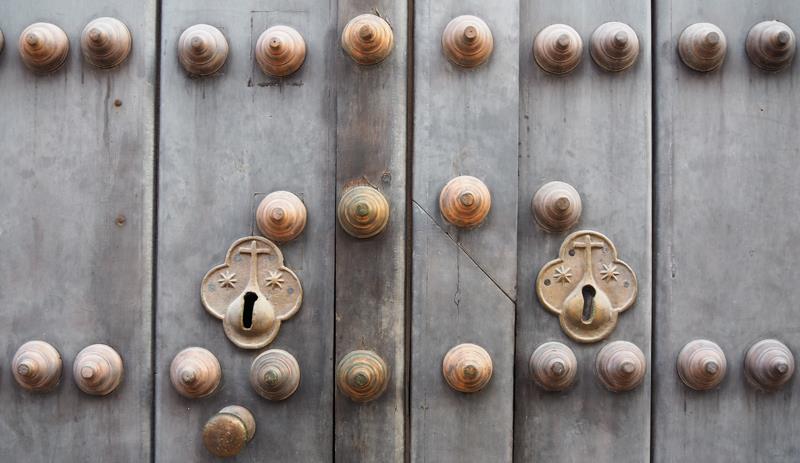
227,432
202,50
556,206
614,46
106,42
553,366
771,45
97,369
43,47
701,365
281,216
367,39
467,368
363,211
620,366
702,47
362,375
37,366
557,49
275,374
768,364
195,373
467,41
280,51
465,201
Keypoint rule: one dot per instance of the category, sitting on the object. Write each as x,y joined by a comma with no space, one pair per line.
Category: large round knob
202,50
195,373
362,375
614,46
702,47
363,211
368,39
467,41
701,365
227,432
771,45
43,47
281,216
556,206
280,51
465,201
106,42
553,366
768,364
275,374
620,366
467,368
557,49
37,366
97,369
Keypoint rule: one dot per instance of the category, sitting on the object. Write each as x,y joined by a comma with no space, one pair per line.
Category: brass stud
227,432
362,375
768,365
553,366
280,51
702,47
620,366
97,370
37,366
556,206
195,373
202,50
367,39
467,368
467,41
771,45
106,42
465,201
363,211
43,47
281,216
275,374
614,46
701,365
557,49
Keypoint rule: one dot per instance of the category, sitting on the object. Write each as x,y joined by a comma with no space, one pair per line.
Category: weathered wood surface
727,207
77,272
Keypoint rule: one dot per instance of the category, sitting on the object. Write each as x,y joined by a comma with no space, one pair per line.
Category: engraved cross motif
254,251
587,245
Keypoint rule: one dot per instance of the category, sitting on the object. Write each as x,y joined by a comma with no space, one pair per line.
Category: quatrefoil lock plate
252,292
587,286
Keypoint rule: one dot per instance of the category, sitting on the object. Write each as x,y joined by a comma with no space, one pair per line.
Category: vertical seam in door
654,221
409,248
335,115
154,246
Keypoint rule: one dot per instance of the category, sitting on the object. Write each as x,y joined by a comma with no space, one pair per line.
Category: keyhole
588,292
247,313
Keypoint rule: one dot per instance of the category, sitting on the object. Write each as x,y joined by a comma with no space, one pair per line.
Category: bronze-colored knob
97,369
363,211
557,49
614,46
43,47
106,42
553,366
556,206
202,50
467,41
702,47
37,366
362,375
701,365
771,45
467,368
195,373
620,366
281,216
275,374
768,364
227,432
280,51
367,39
465,201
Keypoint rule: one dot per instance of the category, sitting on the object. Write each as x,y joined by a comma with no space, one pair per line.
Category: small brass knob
620,366
362,375
702,47
553,366
280,51
363,211
281,216
702,365
614,46
467,41
106,42
202,50
275,374
195,373
557,49
367,39
37,366
465,201
43,47
97,369
556,206
768,364
771,45
227,432
467,368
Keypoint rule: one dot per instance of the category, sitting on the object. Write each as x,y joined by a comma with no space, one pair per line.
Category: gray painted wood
592,130
728,200
465,123
224,140
72,164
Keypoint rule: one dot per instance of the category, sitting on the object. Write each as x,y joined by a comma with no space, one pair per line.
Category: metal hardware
44,47
702,47
768,365
556,206
36,366
362,375
227,432
557,49
467,41
106,42
467,368
195,373
553,366
620,366
280,51
2,41
771,45
368,39
702,365
281,216
614,46
465,201
275,374
202,50
97,370
363,211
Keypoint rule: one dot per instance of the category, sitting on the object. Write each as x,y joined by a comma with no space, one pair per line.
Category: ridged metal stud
620,366
202,50
106,42
367,39
362,375
227,432
97,370
771,45
553,366
768,365
556,206
557,49
43,47
280,51
275,374
195,373
465,201
467,368
363,211
614,46
702,47
281,216
37,366
467,41
701,365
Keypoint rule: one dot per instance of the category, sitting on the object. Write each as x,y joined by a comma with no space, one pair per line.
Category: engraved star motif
609,272
227,280
563,274
274,280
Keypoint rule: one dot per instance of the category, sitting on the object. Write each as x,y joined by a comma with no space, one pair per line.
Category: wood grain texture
728,200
